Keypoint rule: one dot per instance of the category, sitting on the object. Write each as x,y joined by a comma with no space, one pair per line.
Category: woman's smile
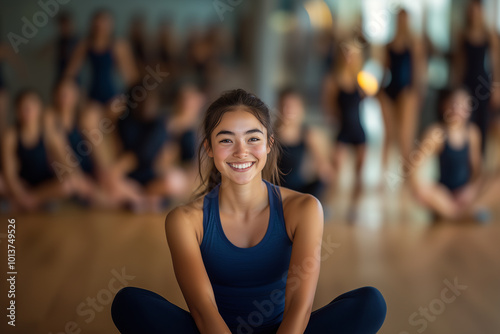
241,166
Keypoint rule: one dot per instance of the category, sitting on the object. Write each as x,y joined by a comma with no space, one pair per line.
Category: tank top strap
276,208
210,212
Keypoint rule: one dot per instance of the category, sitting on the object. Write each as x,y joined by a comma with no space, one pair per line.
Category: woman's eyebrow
226,132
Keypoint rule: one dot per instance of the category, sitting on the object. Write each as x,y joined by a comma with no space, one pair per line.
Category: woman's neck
456,127
289,130
100,42
183,119
242,199
67,118
30,131
290,124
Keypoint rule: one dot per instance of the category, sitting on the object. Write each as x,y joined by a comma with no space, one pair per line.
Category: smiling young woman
245,252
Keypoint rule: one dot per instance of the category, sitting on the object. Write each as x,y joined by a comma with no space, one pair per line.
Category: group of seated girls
140,159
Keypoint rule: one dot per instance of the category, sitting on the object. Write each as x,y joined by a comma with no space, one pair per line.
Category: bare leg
408,110
96,130
131,192
50,190
338,158
3,188
387,107
360,153
439,199
172,183
487,193
359,159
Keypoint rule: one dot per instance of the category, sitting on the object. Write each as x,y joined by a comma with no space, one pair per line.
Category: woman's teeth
241,166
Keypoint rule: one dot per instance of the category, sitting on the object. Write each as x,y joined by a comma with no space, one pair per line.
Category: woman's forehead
239,120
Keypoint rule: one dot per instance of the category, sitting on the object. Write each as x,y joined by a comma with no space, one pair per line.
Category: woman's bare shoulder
300,209
297,204
9,136
186,217
187,211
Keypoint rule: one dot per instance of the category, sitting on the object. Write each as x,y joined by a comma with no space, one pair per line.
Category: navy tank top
250,280
454,166
475,56
187,142
401,67
34,163
351,130
65,47
290,163
144,138
102,87
76,142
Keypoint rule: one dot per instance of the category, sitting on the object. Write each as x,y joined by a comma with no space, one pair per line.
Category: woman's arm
475,152
76,60
317,145
10,168
419,69
494,56
304,215
55,139
431,144
329,96
7,54
184,243
457,70
495,63
126,62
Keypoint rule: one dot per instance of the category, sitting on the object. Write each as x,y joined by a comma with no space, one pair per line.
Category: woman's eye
254,139
225,141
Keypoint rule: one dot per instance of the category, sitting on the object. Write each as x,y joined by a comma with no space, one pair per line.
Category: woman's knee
373,301
123,301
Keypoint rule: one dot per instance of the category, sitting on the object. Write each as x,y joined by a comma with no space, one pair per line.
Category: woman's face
29,109
67,95
476,14
103,24
353,57
239,146
458,108
403,20
191,102
292,108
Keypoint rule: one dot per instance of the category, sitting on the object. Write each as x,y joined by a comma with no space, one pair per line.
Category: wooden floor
67,260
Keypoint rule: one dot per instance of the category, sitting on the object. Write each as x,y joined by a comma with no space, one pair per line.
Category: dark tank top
290,163
351,130
401,68
454,166
102,87
475,56
244,279
33,161
348,103
80,147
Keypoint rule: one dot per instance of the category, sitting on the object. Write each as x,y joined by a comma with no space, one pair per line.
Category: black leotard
34,163
401,72
454,166
351,130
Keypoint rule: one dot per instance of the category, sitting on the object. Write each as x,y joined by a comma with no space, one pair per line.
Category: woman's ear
270,143
208,149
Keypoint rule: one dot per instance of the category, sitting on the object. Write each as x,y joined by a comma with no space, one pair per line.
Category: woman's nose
240,149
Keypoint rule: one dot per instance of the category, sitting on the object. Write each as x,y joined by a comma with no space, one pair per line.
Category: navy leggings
139,311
